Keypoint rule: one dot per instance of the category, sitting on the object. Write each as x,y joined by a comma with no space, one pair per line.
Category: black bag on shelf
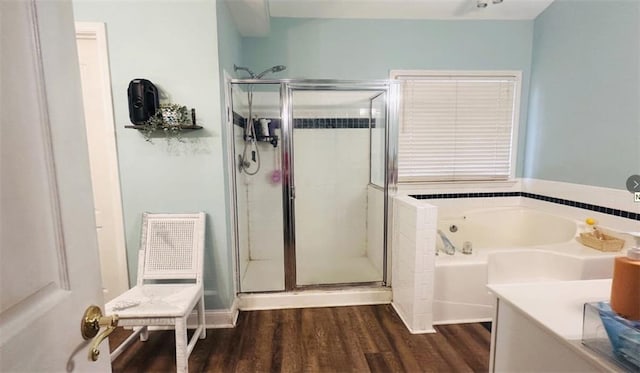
144,100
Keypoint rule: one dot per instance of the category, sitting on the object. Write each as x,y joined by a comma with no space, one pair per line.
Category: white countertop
556,305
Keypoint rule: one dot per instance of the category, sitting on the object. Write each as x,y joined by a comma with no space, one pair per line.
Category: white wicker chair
169,284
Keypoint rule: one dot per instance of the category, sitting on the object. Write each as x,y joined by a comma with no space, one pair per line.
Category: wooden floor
338,339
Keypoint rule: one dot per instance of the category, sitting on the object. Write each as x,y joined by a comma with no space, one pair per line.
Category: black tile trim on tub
560,201
465,195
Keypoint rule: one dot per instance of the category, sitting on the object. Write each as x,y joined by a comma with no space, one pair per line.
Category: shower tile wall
412,268
377,156
331,170
331,203
259,209
242,208
264,198
375,227
332,173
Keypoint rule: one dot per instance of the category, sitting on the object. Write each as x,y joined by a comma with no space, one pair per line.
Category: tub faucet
449,249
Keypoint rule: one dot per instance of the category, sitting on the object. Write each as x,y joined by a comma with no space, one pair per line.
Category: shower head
251,74
273,69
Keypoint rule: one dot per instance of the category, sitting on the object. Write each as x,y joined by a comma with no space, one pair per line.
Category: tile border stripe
314,123
560,201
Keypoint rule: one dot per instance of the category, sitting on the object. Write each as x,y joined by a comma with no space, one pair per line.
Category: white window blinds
456,128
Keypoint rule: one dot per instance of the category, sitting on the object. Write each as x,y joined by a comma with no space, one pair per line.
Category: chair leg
144,334
182,357
203,335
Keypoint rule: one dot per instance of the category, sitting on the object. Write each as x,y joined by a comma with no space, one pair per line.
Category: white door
49,267
103,159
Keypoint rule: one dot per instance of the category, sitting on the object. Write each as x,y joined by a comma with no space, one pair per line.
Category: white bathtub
518,227
510,244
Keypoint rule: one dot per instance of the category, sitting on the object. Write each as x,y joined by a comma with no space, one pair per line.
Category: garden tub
509,245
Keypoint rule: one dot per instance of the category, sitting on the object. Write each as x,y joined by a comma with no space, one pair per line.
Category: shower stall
311,181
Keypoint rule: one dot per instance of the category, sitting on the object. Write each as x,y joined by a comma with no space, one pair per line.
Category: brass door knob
91,323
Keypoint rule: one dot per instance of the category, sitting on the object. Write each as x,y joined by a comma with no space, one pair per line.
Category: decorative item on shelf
143,100
149,116
595,239
605,243
172,119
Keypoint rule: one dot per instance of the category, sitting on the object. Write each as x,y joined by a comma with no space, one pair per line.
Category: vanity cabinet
537,327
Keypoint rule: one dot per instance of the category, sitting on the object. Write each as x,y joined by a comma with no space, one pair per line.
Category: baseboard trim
215,319
406,324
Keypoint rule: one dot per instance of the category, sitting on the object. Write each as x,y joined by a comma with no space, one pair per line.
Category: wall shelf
273,140
145,127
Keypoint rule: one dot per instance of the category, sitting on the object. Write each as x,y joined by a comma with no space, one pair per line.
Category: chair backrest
172,247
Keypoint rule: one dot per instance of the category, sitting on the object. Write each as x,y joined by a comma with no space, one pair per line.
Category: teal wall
369,49
173,44
229,40
584,105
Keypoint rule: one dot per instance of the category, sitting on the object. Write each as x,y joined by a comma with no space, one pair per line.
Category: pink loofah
276,176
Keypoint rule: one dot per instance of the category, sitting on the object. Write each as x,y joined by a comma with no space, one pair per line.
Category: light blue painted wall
369,49
584,112
229,40
173,44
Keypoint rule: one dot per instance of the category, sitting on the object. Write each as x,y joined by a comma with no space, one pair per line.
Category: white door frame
97,31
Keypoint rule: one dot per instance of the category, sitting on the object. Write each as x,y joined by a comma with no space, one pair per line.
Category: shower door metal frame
287,87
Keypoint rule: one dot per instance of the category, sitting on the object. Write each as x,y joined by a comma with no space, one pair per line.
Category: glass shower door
337,215
377,188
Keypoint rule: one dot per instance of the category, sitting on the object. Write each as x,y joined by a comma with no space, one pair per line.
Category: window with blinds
457,127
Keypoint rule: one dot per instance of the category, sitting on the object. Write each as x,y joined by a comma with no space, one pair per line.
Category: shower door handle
293,192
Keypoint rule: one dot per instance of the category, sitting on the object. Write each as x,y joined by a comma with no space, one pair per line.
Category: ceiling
253,16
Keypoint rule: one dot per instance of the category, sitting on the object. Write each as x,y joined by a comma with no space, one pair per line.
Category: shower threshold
268,275
316,297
